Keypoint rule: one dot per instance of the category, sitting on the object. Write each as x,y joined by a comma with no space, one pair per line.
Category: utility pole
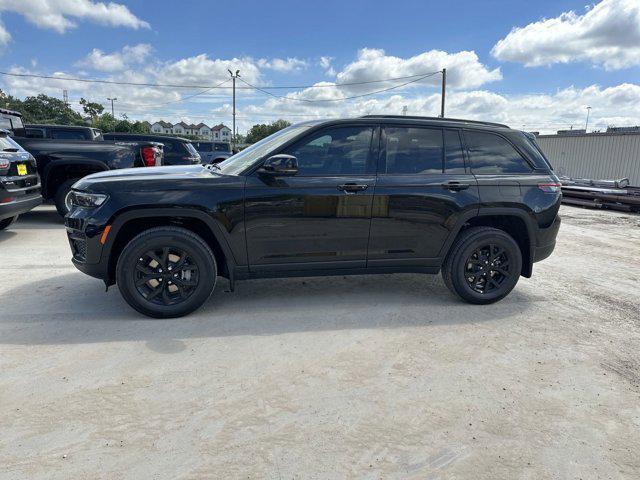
65,97
586,124
444,88
112,110
233,131
404,110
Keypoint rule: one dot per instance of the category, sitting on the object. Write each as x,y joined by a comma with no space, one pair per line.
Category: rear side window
453,159
204,147
68,135
492,154
413,150
34,133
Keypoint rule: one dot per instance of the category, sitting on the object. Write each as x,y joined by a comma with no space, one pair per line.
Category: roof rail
460,120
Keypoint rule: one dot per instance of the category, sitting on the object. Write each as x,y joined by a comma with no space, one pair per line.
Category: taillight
550,187
4,164
149,156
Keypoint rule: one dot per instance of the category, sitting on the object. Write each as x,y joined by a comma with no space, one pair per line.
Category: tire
483,265
7,222
60,197
150,256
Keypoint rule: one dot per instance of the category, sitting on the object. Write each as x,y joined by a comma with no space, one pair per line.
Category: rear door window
492,154
413,150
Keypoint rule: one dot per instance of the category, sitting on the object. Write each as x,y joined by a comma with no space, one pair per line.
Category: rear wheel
7,222
166,272
483,265
62,197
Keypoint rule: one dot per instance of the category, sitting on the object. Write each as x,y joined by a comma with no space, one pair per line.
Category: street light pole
586,124
233,132
112,110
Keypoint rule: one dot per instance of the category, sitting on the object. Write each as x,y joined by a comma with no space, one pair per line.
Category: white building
220,132
162,127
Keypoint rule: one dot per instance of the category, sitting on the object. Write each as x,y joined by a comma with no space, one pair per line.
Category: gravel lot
359,377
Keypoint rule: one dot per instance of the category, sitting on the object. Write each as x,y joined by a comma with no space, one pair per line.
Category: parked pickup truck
63,161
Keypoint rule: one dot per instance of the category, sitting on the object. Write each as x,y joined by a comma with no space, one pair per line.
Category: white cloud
5,36
464,70
112,62
59,15
326,63
618,105
203,70
607,34
283,65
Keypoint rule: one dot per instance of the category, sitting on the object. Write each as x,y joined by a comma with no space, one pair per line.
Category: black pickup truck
63,161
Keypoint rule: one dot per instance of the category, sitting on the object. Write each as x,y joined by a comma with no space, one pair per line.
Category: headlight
87,200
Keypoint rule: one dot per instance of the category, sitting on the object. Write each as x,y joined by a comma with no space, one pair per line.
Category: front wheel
166,272
62,197
483,265
7,222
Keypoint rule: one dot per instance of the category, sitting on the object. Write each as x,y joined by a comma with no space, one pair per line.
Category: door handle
351,188
455,186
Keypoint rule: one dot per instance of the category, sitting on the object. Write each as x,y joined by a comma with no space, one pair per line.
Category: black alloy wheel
483,265
166,272
166,276
487,268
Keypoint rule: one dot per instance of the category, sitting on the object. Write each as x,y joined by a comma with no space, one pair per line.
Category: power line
210,87
183,98
260,89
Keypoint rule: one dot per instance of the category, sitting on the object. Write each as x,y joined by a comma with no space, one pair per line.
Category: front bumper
84,239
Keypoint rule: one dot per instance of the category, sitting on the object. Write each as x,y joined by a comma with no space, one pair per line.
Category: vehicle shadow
44,216
6,235
74,309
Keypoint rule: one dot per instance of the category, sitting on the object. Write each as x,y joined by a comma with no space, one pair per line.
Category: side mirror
281,165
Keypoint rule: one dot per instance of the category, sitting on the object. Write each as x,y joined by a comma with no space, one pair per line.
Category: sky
534,65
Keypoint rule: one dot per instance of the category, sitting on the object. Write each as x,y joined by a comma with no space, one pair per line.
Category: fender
529,222
118,220
53,164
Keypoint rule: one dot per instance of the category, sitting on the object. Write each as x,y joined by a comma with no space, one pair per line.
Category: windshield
243,160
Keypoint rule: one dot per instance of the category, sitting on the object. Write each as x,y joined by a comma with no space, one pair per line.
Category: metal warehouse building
611,155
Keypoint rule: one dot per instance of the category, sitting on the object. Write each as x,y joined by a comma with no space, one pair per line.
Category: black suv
379,194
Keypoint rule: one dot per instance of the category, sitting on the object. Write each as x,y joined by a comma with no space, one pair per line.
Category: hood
144,178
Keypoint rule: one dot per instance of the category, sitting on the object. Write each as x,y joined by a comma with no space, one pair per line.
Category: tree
261,130
93,109
42,109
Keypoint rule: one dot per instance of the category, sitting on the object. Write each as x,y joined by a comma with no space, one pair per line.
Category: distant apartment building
220,132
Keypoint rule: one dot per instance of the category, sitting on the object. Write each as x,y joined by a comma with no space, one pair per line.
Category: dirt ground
359,377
